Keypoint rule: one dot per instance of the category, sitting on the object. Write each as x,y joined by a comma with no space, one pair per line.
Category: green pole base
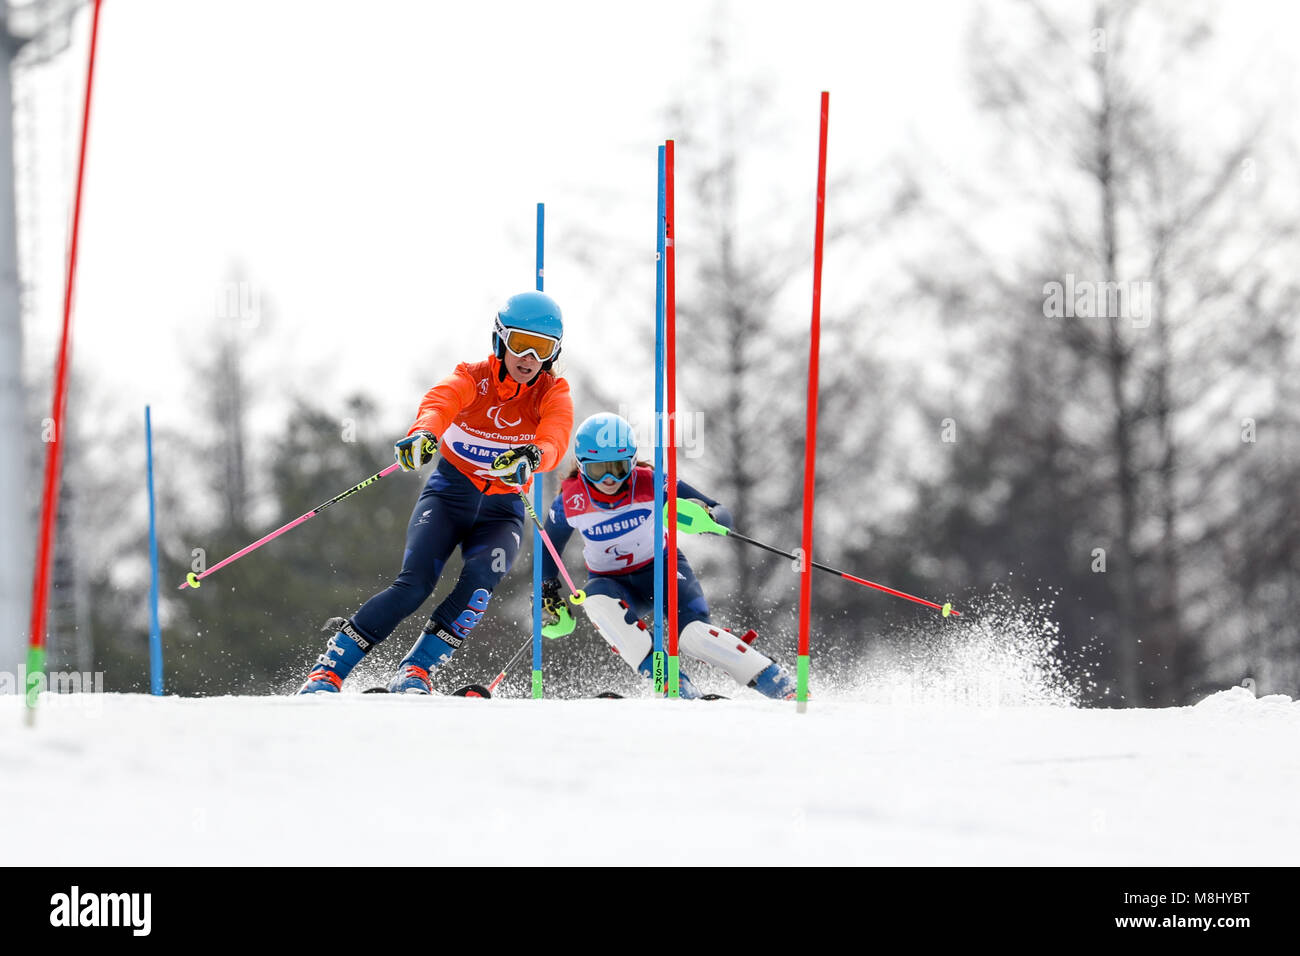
674,677
35,669
801,687
537,685
659,676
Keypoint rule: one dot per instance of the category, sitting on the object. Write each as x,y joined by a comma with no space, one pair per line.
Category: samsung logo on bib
620,525
474,452
102,909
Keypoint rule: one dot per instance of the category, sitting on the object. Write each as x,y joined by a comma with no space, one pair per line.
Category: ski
610,695
469,690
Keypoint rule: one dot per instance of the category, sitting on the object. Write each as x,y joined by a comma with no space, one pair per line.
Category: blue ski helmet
604,445
530,322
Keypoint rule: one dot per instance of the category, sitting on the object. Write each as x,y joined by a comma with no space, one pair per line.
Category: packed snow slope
353,778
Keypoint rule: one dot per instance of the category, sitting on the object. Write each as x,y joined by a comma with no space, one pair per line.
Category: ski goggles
521,342
598,470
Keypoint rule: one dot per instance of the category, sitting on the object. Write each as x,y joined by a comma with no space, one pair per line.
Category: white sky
373,168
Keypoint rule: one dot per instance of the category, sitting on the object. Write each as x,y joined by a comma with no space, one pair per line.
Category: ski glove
516,465
719,513
551,601
415,451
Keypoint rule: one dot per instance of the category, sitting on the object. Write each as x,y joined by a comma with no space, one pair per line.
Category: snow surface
128,779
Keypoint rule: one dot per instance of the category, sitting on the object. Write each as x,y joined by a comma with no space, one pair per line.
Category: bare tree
744,292
1146,237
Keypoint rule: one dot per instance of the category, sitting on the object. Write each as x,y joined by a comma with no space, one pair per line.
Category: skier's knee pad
619,627
721,648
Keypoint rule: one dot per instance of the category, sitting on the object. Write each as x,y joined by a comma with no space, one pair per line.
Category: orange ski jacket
478,411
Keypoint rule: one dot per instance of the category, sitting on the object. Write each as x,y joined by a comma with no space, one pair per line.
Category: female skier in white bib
609,500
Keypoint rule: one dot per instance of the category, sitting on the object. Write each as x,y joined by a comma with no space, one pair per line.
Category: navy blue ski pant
637,590
451,511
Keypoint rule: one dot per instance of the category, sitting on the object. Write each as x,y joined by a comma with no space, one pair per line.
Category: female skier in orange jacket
495,423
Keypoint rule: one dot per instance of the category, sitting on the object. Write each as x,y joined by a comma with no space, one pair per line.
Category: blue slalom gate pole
659,438
155,633
538,500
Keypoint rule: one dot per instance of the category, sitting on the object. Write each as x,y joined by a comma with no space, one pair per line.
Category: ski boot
433,650
775,681
411,679
344,652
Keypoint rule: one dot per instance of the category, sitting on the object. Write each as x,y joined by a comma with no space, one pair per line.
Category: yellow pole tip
578,597
947,609
192,579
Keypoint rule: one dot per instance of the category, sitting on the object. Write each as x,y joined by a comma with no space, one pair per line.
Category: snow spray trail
1004,651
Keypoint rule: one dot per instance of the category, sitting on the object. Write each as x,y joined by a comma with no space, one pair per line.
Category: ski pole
694,519
478,690
192,580
510,663
576,595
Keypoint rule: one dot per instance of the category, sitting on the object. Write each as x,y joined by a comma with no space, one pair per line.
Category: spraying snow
1002,651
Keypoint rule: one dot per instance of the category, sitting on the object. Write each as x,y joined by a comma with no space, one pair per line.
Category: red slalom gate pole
54,456
670,363
810,452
